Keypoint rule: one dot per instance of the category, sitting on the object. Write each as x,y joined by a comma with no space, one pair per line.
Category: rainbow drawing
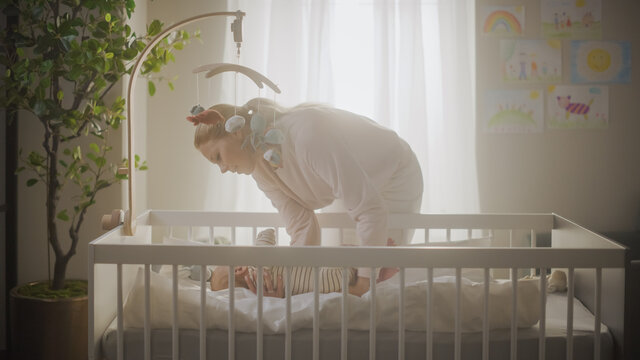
504,20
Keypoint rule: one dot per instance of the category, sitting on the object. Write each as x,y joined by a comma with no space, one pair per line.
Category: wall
589,176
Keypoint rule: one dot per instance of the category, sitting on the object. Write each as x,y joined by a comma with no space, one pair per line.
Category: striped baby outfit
302,276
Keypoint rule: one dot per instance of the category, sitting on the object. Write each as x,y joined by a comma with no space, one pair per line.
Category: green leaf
95,148
77,153
31,182
107,17
60,95
154,28
143,167
100,162
130,53
62,215
108,55
152,88
171,86
39,108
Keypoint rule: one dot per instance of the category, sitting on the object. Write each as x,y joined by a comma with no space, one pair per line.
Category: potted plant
61,62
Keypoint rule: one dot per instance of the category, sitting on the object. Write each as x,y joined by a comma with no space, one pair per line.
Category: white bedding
274,310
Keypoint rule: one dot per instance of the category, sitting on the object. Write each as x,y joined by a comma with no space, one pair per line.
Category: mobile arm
128,216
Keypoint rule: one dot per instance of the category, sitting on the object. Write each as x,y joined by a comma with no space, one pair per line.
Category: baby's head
220,277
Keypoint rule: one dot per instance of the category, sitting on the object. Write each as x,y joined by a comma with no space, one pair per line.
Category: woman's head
225,149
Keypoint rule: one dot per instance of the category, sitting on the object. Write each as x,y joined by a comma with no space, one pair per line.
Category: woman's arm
301,223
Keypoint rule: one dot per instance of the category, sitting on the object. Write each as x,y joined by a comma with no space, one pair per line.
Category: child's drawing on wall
600,62
578,19
520,60
578,107
513,111
503,20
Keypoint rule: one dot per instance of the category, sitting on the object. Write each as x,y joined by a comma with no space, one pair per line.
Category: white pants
402,195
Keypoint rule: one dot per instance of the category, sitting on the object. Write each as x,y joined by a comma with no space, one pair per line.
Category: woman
315,155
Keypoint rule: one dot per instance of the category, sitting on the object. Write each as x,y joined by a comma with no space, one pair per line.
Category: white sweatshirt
332,154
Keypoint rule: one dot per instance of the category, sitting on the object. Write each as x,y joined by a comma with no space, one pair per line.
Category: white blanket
274,310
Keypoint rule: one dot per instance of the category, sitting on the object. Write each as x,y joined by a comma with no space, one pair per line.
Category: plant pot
48,328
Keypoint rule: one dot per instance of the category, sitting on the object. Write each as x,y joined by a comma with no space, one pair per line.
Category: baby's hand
209,116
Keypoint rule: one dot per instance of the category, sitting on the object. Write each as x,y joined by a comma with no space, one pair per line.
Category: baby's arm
266,237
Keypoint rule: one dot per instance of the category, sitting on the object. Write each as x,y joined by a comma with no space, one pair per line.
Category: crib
499,246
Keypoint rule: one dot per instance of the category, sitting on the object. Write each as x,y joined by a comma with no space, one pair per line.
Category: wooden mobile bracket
127,217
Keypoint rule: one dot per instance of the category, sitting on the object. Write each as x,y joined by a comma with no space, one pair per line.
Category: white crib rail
114,248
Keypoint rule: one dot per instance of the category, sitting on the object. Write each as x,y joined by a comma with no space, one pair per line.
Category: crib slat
211,236
190,233
448,235
510,238
345,314
254,233
203,313
287,290
91,310
260,288
120,346
232,312
514,313
485,316
429,314
534,243
147,312
458,334
426,236
598,305
233,235
174,309
401,316
372,315
543,315
570,314
316,313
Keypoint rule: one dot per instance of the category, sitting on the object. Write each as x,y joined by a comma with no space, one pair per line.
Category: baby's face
220,277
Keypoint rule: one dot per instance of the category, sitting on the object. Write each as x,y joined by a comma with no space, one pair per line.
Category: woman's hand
268,290
210,117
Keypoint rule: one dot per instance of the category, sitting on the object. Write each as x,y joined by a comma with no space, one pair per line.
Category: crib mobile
127,217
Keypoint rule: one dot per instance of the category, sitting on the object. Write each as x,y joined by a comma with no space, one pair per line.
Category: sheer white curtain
408,65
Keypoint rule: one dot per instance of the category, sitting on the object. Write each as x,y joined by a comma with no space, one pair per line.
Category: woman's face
226,152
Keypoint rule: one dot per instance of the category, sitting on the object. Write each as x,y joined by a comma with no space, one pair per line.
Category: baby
301,276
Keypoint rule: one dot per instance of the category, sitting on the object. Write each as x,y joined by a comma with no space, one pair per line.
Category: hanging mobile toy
197,109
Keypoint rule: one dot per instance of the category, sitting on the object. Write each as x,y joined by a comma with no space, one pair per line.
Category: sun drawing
599,60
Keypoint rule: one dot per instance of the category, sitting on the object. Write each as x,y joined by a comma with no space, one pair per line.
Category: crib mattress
386,341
